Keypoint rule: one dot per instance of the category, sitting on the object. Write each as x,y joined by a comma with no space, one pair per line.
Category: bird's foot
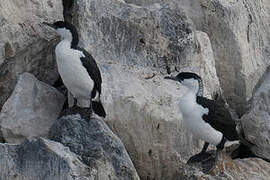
209,164
199,157
206,161
85,113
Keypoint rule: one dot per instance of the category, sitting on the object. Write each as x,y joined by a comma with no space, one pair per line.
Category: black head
66,30
184,76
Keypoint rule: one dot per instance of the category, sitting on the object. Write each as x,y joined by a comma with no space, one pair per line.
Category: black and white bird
207,119
77,68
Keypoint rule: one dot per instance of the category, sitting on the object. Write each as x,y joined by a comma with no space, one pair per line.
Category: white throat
192,85
65,34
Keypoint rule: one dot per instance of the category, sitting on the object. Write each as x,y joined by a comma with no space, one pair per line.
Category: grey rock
42,159
143,111
31,110
228,169
25,45
256,123
239,32
157,36
97,145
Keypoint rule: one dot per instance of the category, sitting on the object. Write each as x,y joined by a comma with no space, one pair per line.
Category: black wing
91,66
219,118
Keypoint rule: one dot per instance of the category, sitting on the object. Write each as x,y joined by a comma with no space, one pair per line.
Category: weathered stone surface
143,111
97,145
24,44
256,123
239,32
113,30
31,110
228,169
41,159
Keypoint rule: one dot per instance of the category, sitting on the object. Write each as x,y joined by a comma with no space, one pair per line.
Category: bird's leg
210,163
201,156
205,146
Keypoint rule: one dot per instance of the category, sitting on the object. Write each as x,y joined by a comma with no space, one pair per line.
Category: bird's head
66,30
188,79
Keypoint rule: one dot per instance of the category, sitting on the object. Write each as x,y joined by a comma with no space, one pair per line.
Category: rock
249,168
41,159
239,32
97,145
142,110
158,36
31,110
24,44
256,123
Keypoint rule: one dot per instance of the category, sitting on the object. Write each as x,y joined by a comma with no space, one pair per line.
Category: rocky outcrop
158,36
256,123
239,32
25,45
31,110
228,169
41,159
97,145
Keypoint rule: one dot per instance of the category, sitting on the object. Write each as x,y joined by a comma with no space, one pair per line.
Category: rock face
135,44
143,111
98,147
31,110
239,32
41,159
24,44
228,169
154,37
256,123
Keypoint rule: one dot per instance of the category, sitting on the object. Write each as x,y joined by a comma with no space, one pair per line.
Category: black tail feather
98,108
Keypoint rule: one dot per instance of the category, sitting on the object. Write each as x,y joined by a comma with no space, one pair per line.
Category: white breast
74,75
192,114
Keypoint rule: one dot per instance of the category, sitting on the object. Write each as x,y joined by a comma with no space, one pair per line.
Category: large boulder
256,123
133,46
31,110
97,145
239,32
143,111
158,36
25,45
42,159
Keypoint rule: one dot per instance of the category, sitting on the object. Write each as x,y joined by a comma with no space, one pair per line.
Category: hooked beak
50,25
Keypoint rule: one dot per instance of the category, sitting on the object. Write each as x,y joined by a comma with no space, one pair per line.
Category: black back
219,117
91,66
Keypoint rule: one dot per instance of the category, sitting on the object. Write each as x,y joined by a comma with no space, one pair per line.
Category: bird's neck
65,43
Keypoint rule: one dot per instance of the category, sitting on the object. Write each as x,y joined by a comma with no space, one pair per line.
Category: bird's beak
48,24
170,77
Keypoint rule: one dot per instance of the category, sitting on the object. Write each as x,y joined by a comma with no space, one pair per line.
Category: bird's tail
98,107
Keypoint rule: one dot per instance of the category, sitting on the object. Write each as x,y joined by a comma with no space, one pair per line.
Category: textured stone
256,123
113,30
41,159
97,145
240,35
143,111
228,169
31,110
24,44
